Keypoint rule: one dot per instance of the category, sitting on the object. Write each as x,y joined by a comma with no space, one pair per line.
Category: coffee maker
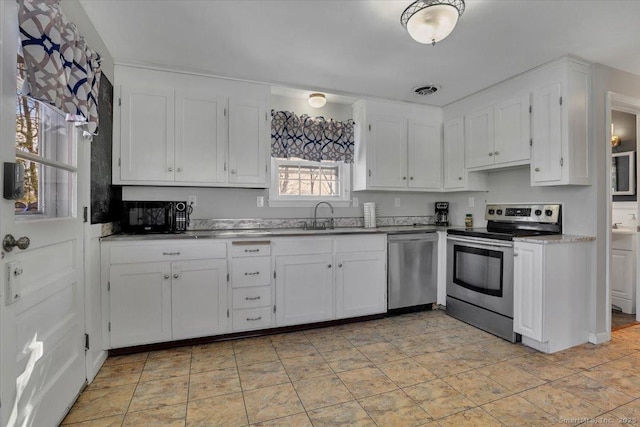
442,213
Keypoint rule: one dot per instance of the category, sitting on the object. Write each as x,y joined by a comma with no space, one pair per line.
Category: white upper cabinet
479,138
200,149
248,139
498,135
512,130
560,126
456,176
424,154
147,135
398,147
387,140
180,129
540,118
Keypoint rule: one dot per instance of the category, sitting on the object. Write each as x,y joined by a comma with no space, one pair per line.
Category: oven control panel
543,213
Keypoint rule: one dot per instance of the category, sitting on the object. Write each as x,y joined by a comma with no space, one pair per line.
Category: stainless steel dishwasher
412,267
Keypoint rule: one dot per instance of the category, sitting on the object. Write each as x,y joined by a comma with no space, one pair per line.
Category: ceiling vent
426,90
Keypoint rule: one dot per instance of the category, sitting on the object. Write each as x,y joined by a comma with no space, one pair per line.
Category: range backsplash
382,221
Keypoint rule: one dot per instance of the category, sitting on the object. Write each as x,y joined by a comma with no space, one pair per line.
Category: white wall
605,79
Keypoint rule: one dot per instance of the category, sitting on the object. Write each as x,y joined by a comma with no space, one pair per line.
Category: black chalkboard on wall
105,198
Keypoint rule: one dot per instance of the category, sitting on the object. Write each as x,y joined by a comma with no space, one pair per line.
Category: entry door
42,329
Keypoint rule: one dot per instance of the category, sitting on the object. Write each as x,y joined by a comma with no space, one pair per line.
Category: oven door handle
481,242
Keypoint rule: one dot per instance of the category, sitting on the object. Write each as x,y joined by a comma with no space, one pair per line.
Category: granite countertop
562,238
279,232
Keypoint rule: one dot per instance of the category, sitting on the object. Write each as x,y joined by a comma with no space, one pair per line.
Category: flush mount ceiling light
317,100
429,21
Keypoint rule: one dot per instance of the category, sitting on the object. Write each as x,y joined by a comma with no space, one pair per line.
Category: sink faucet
315,214
615,225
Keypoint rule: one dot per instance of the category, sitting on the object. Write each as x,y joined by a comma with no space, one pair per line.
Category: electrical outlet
355,202
193,200
260,201
397,202
472,202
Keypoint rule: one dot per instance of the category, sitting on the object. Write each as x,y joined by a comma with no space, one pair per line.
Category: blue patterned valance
311,138
61,69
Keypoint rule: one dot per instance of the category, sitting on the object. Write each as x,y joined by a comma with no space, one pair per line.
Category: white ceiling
358,47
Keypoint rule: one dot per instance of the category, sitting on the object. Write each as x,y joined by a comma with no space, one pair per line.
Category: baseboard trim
599,338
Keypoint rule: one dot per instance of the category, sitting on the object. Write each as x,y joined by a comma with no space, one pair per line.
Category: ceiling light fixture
429,21
317,100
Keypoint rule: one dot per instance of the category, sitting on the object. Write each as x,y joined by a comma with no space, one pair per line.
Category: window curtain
311,138
61,69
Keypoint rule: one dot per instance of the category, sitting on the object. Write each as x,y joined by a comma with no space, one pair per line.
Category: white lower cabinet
623,272
164,290
319,279
358,284
198,298
161,291
140,302
304,288
551,294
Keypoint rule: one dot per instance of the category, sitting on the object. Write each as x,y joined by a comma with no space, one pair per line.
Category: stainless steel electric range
480,264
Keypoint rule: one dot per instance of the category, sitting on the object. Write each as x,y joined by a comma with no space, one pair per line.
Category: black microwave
154,217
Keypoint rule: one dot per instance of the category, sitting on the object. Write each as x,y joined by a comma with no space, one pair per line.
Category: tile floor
423,369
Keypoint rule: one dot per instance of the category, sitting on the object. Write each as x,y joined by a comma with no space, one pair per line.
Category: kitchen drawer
361,243
255,318
166,251
253,297
250,248
251,271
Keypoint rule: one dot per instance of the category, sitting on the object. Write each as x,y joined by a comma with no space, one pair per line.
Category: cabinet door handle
166,276
411,178
537,169
233,171
496,152
170,169
252,250
490,154
170,253
340,265
253,319
175,276
252,298
515,254
459,178
404,177
252,274
179,169
329,266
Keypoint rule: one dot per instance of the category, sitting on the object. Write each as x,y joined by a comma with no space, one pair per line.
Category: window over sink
296,182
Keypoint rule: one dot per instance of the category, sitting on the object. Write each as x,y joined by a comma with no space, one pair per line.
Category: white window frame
277,200
58,191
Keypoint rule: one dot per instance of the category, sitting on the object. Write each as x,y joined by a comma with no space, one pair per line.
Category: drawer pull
170,253
252,298
252,274
254,319
166,276
176,276
252,250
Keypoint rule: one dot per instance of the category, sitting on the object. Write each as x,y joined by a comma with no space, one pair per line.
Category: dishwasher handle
428,237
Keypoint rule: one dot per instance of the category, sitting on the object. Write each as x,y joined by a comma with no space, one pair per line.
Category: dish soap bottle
468,221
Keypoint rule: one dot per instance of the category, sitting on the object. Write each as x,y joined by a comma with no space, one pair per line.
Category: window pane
319,180
27,125
29,202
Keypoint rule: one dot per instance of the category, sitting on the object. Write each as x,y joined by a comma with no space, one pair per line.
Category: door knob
175,276
166,276
9,242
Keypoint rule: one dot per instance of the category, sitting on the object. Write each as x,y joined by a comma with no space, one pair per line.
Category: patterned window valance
61,69
311,138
